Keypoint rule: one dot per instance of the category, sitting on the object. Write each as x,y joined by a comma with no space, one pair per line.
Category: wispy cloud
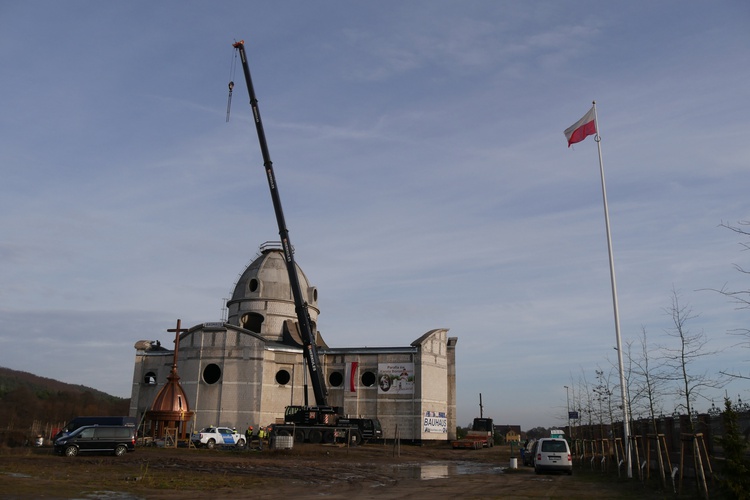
422,166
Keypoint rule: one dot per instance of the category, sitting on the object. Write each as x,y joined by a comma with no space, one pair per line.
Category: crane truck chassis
315,424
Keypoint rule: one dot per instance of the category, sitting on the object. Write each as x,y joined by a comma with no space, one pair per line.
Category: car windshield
554,446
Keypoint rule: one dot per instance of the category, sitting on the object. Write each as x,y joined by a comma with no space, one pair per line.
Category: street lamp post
567,407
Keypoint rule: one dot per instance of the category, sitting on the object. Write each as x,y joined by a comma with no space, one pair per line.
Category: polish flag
581,129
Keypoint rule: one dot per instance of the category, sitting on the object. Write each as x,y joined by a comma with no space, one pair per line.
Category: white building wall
433,387
248,392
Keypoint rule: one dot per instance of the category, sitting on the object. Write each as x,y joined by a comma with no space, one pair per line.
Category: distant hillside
27,399
12,379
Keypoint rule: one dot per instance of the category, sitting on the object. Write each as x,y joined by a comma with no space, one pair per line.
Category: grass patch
633,487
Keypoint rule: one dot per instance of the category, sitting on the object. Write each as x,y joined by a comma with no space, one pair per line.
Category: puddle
14,474
442,470
108,495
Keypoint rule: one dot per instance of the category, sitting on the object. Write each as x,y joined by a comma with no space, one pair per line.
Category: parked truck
318,422
481,435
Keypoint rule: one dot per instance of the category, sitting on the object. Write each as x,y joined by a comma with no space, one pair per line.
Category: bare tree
739,297
577,404
652,381
679,359
586,402
604,391
630,376
651,390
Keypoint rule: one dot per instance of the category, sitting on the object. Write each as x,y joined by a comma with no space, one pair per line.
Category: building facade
248,369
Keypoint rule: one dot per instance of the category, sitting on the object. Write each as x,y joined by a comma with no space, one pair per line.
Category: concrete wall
248,391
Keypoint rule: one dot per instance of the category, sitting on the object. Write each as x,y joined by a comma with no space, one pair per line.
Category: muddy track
371,471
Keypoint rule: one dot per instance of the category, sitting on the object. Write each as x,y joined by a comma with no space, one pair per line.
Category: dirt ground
306,471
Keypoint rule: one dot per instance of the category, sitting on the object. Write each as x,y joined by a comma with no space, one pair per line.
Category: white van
553,455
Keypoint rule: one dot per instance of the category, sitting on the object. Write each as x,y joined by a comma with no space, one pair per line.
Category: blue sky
422,166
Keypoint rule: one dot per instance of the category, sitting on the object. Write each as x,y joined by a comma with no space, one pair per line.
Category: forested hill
27,398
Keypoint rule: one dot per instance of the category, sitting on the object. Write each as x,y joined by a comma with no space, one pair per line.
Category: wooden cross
177,333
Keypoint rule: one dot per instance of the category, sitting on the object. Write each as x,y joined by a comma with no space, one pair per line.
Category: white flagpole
625,412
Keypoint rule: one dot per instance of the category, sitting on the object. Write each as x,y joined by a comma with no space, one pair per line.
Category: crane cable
232,69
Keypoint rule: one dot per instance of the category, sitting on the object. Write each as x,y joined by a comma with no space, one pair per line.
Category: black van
94,420
117,439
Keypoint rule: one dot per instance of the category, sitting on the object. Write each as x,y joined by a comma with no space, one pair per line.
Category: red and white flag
581,129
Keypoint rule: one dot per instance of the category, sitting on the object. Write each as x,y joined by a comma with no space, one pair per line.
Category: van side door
86,439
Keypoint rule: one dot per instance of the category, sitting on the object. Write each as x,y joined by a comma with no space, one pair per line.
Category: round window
283,377
211,373
253,285
368,379
336,379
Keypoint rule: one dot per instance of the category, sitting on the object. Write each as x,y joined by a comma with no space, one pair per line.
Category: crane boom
303,316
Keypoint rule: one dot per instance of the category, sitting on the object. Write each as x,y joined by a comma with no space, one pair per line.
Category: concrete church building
247,369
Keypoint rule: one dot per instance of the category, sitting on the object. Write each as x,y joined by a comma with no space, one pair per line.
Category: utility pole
567,406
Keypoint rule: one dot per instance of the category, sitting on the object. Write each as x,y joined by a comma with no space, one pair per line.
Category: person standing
261,436
249,436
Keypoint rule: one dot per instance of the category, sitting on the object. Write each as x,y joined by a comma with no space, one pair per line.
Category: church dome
262,299
171,403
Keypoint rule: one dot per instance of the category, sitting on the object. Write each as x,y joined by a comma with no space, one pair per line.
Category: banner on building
435,422
351,376
395,378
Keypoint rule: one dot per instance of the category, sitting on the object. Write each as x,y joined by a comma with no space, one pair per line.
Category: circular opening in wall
211,373
283,377
368,379
150,378
253,285
315,294
336,379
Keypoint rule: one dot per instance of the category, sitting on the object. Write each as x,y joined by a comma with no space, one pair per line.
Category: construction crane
320,422
312,358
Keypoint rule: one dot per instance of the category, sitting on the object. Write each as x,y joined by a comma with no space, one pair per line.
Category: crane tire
355,438
315,436
299,436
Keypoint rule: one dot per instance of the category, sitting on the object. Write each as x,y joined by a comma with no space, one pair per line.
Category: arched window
252,322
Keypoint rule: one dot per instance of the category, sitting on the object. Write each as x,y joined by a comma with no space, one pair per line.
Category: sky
422,166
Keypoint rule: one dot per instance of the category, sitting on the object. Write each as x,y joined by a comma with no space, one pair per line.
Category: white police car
211,437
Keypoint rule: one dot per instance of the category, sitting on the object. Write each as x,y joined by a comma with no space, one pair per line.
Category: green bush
735,474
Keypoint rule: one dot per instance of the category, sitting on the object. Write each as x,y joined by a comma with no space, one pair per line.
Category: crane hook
229,99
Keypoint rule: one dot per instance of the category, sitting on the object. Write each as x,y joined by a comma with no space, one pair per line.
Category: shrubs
735,473
13,439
